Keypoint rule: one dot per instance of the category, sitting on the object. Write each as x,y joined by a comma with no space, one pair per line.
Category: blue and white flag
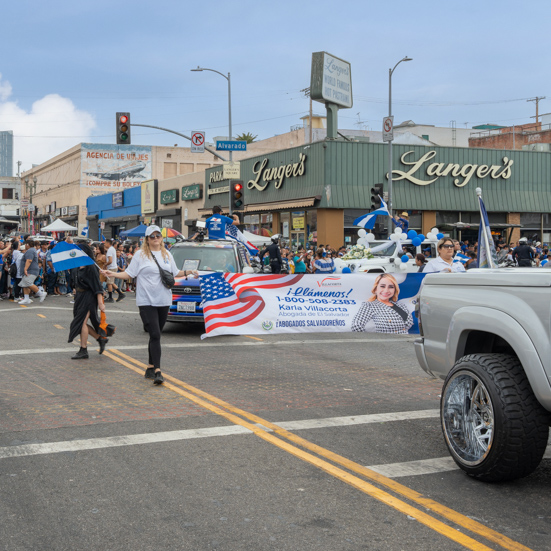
85,231
233,232
460,257
367,221
487,256
66,256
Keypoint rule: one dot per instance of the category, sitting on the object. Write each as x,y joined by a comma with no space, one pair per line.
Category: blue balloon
439,235
405,258
412,234
417,241
346,270
421,237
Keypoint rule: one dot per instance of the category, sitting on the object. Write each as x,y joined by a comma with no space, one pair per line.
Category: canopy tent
138,231
58,225
6,221
256,240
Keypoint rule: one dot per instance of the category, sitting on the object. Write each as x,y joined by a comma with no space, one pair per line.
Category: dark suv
210,255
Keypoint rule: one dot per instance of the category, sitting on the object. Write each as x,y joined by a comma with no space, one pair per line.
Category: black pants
154,319
276,267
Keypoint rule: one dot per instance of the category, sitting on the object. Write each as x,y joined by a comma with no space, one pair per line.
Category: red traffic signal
123,128
236,195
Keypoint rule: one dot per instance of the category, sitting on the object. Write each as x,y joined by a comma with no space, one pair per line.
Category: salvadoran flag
233,232
460,257
368,220
66,256
85,231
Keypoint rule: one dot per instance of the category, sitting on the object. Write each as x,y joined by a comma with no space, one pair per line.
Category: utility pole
536,100
306,92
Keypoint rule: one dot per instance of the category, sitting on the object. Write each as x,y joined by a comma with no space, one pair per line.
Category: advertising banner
243,304
114,167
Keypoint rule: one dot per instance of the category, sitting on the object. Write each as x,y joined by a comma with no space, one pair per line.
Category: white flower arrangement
356,252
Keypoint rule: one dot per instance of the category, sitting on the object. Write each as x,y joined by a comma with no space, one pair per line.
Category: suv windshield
205,257
386,252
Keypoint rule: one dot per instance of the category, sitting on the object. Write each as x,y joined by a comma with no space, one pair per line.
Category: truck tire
493,425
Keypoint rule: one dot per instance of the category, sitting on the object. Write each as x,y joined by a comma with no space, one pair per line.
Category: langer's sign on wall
461,174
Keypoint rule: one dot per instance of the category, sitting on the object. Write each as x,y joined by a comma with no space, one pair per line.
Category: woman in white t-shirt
444,262
152,297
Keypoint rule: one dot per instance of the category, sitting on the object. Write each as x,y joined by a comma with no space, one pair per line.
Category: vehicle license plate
185,306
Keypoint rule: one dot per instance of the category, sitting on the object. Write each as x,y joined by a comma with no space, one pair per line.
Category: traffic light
123,128
237,195
376,194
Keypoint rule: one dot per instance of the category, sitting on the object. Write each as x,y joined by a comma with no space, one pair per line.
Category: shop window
252,223
446,217
530,219
7,193
312,226
285,224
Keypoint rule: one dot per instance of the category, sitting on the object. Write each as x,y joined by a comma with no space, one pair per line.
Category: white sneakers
26,300
41,295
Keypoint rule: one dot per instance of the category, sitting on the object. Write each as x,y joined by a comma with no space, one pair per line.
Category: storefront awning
270,207
283,205
466,225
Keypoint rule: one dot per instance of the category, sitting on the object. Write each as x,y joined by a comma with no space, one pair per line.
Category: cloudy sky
67,67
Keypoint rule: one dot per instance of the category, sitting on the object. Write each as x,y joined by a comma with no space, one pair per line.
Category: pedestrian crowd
299,260
27,271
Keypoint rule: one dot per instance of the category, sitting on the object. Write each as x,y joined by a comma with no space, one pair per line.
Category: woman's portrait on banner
382,313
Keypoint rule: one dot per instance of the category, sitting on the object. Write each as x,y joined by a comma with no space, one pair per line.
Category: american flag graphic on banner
230,300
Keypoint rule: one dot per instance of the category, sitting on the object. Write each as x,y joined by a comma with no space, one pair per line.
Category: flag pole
489,258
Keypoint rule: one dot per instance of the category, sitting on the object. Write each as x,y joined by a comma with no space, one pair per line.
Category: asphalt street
317,441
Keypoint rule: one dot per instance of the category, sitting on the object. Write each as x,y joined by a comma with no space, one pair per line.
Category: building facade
10,192
312,194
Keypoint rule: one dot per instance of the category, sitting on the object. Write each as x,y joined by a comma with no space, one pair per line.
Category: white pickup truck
487,334
388,260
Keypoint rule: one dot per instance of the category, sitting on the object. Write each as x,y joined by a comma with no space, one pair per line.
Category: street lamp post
31,189
389,203
228,78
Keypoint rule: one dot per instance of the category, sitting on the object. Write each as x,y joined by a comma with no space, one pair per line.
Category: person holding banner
383,310
444,262
88,298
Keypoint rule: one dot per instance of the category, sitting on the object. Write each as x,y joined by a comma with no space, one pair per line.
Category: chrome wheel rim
468,418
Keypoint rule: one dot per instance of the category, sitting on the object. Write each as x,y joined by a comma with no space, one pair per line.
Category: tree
248,137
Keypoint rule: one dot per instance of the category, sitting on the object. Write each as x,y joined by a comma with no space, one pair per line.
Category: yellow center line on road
255,338
352,480
41,316
58,326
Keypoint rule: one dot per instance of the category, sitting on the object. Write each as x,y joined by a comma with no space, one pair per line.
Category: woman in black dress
89,297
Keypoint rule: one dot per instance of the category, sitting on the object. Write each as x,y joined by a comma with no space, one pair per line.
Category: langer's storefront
313,193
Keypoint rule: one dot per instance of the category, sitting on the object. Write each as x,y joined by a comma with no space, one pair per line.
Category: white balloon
362,233
430,236
362,241
394,237
404,266
403,236
398,230
436,231
370,237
